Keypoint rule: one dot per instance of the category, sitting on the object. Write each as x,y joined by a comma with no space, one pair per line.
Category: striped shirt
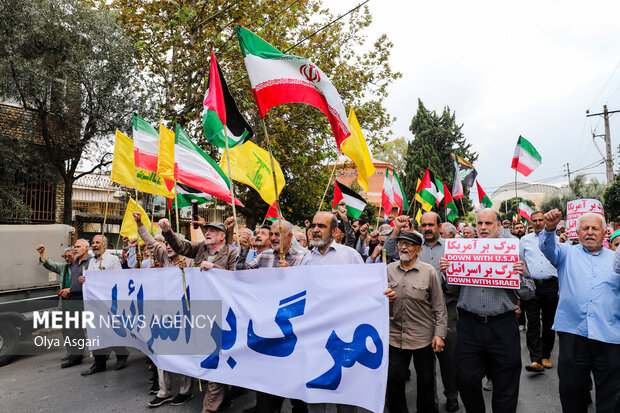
270,258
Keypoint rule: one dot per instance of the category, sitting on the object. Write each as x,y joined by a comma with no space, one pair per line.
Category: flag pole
378,216
516,195
176,205
135,170
275,186
327,187
105,216
154,196
231,186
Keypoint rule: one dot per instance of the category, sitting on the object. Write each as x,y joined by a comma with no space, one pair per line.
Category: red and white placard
577,208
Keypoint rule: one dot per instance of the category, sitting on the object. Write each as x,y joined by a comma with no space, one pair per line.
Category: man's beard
321,243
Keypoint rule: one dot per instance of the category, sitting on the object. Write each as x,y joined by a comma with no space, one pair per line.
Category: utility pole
568,172
609,163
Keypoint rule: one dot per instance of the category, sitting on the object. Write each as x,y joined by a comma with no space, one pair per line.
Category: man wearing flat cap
213,252
418,325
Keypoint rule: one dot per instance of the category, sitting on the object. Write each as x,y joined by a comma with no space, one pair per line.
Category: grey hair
84,241
591,214
160,236
248,230
104,240
68,249
285,224
449,228
384,227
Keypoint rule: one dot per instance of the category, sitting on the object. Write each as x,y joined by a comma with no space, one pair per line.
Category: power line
605,85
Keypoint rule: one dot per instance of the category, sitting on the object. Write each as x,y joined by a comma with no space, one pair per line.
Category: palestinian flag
439,185
272,213
278,79
355,202
428,188
485,201
457,185
399,198
526,157
185,195
193,167
220,116
387,194
525,211
425,205
515,218
451,210
145,144
467,172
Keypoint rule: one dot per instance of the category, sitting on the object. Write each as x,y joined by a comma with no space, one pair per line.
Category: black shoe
93,370
152,380
181,399
250,409
120,362
156,402
71,363
154,388
452,404
226,404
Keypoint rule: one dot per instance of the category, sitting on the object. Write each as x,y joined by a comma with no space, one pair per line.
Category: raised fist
164,224
41,249
229,222
137,216
552,219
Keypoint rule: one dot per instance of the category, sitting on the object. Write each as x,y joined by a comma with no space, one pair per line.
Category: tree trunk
68,198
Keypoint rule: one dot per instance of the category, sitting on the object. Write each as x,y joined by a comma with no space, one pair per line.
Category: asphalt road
37,384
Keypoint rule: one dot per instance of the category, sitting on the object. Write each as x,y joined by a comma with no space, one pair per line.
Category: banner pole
327,187
154,197
135,169
275,186
176,204
231,187
378,216
105,216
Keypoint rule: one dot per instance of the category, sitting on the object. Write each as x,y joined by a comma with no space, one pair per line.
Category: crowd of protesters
567,286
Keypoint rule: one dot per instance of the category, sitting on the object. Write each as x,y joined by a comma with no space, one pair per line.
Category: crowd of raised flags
170,164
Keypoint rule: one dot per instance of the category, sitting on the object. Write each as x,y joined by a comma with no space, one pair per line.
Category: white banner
483,262
315,333
577,208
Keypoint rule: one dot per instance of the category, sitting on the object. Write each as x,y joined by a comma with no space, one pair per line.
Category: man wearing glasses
418,325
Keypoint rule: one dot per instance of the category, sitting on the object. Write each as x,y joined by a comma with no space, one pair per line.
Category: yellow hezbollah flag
124,172
249,164
129,228
425,205
355,148
418,217
165,159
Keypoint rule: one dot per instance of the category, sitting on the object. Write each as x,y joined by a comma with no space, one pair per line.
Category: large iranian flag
399,198
526,157
277,78
387,194
525,211
145,144
195,168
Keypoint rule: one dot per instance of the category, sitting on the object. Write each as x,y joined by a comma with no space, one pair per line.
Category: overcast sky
528,68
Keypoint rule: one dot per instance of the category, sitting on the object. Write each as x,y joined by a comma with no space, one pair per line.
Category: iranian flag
272,213
451,211
193,167
399,198
145,144
485,201
525,211
354,202
387,195
277,78
220,116
526,157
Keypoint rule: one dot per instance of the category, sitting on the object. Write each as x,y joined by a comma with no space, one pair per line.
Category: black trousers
75,334
101,355
580,356
446,357
540,337
424,364
270,403
491,348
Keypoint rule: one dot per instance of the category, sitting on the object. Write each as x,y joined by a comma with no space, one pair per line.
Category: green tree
175,40
71,65
513,207
435,137
392,152
612,199
579,188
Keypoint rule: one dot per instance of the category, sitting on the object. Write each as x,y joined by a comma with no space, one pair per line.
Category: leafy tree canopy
175,40
510,207
579,188
435,137
392,152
